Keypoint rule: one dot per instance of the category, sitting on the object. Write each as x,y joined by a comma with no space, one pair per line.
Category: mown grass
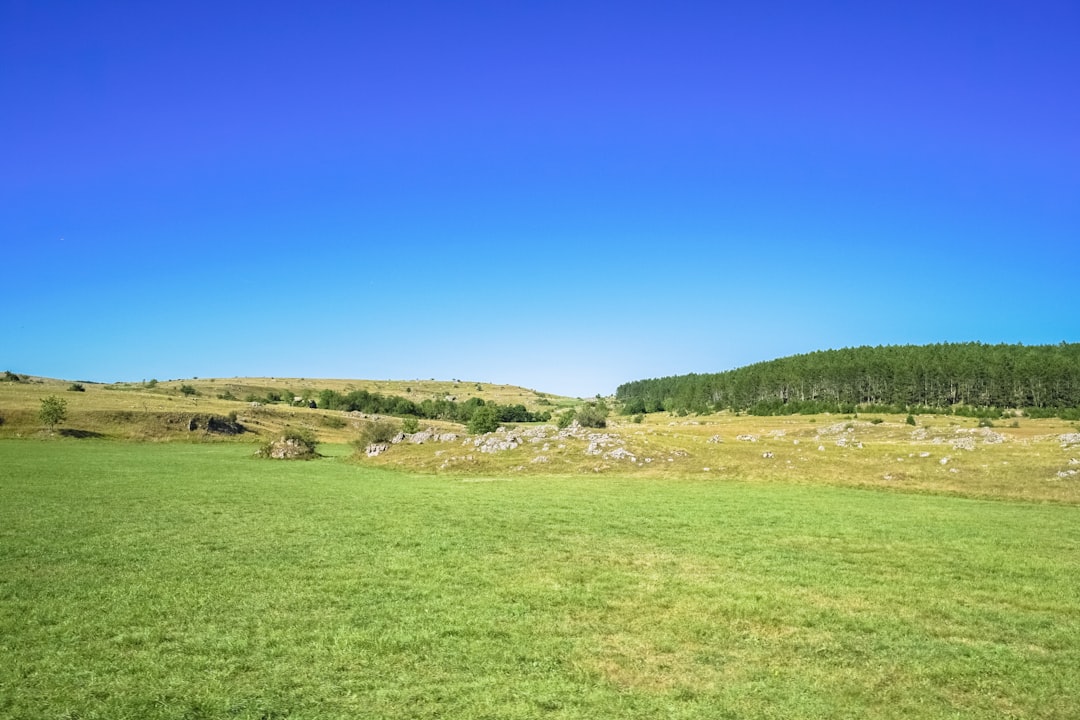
192,581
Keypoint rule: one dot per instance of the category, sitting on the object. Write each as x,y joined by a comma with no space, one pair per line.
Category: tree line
429,409
956,377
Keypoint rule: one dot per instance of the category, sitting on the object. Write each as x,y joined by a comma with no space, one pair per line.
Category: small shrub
227,395
910,419
565,419
876,421
188,390
639,418
377,431
151,383
333,422
11,377
592,416
409,424
76,387
985,423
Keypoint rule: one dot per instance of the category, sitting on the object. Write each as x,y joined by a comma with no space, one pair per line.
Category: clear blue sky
561,195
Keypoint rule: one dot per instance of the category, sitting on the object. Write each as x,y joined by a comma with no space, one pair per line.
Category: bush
227,395
377,431
76,387
592,416
333,422
910,420
410,424
565,419
188,390
10,377
985,423
639,418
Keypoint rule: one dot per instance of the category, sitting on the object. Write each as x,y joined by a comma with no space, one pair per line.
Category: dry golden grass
943,454
160,411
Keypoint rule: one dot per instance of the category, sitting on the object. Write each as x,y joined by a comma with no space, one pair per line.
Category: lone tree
53,411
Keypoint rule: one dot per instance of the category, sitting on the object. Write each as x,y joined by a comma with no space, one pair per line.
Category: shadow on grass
80,434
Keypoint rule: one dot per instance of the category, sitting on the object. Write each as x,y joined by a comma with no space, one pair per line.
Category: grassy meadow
191,580
717,566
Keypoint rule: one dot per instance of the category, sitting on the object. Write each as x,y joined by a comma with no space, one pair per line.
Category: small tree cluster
484,419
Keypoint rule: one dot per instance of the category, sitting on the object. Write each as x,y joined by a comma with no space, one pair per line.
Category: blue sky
561,195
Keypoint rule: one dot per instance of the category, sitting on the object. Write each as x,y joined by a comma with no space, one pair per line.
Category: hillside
160,410
1042,379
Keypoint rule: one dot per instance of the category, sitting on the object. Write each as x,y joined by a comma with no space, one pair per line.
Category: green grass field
189,580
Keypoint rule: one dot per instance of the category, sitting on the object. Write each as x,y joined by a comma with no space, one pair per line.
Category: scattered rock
746,438
963,443
419,438
287,448
376,449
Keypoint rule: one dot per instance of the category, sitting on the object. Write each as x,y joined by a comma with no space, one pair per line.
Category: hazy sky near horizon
561,195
